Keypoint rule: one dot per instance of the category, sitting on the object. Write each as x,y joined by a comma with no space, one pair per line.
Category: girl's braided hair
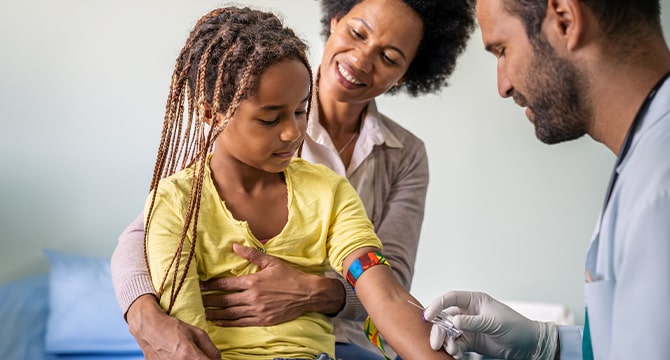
218,67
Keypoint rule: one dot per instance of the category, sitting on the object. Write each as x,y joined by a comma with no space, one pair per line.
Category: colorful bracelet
363,263
374,336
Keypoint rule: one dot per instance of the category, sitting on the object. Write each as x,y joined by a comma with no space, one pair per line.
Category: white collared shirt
628,259
319,148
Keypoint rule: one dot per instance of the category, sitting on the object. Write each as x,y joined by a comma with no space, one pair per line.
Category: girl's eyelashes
275,121
269,122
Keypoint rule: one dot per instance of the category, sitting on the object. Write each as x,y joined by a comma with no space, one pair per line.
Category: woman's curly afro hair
447,26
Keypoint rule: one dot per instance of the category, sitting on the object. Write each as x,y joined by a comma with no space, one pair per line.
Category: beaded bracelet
363,263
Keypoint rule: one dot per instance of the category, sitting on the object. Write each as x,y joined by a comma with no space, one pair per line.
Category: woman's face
369,50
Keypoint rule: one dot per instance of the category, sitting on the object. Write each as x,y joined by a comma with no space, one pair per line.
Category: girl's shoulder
179,182
307,171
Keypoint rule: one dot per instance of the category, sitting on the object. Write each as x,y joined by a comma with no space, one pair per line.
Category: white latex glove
490,328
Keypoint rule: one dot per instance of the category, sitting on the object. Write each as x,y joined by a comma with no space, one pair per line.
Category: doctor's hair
219,67
447,26
625,20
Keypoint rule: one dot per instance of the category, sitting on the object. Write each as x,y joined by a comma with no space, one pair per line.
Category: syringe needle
416,305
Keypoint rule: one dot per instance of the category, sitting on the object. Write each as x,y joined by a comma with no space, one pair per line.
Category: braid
218,67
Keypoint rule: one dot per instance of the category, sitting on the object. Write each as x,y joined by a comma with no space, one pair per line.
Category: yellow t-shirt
326,222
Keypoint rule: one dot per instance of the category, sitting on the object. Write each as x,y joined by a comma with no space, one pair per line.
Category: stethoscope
628,140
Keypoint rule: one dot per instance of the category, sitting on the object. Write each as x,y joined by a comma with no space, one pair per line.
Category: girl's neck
232,175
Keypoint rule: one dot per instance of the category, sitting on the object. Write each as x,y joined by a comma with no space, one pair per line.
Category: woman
373,47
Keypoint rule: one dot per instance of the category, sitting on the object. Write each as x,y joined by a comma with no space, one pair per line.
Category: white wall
82,92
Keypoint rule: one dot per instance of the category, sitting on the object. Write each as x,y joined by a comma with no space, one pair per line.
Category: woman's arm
386,302
277,293
129,269
159,335
399,225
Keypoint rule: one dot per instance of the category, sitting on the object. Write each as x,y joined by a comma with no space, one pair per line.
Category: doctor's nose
504,85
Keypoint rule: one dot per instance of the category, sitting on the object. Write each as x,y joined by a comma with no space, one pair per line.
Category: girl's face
267,129
369,50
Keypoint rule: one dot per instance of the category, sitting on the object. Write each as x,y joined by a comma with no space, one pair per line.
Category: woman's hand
161,336
275,294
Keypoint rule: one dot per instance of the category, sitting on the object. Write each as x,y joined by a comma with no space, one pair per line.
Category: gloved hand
490,328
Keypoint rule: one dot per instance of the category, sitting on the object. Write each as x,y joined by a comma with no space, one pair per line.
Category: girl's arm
163,240
400,202
386,302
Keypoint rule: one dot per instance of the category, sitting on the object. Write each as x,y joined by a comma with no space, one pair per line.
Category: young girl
243,84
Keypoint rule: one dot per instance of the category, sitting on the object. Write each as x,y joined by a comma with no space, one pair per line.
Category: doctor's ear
565,21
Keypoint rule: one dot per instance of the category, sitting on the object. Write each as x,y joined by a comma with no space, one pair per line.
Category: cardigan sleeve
130,276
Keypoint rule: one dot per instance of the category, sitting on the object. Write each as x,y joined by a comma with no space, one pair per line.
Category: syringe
444,321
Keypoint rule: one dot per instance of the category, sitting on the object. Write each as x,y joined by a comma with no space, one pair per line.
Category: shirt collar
379,132
373,130
657,109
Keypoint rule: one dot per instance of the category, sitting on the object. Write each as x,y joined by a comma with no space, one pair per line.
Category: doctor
600,68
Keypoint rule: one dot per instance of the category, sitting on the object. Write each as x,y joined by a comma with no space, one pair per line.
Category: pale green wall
82,93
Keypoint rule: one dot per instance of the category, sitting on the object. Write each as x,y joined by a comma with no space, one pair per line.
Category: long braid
218,67
196,182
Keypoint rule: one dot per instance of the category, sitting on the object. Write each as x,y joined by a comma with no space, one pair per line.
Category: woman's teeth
350,78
